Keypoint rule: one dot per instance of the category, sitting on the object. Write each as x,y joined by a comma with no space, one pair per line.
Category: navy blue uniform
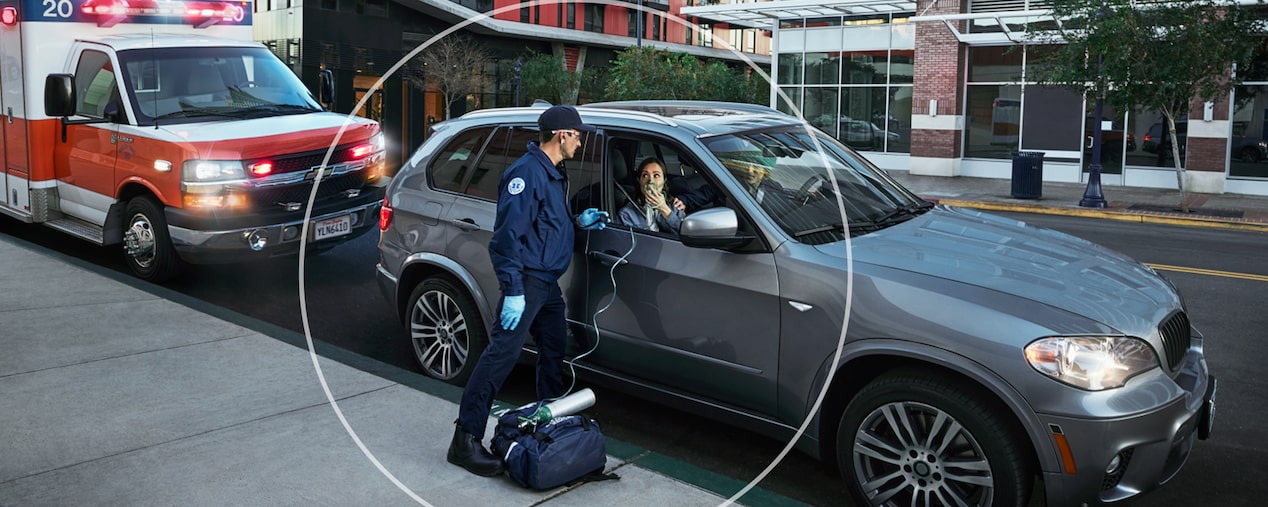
531,248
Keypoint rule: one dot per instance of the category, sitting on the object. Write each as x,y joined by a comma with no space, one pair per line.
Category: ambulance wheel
912,438
147,247
446,330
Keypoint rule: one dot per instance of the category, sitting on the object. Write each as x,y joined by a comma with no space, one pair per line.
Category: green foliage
641,73
543,77
1159,55
1156,55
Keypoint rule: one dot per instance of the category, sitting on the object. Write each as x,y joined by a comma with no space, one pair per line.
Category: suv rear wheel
917,439
446,330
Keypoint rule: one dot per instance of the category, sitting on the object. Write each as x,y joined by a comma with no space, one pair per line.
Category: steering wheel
812,187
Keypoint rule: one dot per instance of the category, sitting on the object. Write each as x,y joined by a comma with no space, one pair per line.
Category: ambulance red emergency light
162,127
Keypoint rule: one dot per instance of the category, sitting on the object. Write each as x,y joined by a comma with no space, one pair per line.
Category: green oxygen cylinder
561,407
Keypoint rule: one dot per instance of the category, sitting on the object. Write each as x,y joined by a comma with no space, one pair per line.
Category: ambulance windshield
185,85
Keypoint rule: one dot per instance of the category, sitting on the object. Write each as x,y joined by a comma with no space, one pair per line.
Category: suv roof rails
670,108
588,109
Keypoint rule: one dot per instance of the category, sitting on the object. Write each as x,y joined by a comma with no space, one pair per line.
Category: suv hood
1023,260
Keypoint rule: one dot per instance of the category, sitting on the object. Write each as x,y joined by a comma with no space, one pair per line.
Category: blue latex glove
592,219
512,309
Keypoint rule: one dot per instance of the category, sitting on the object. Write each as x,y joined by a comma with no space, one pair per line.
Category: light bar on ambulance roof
200,13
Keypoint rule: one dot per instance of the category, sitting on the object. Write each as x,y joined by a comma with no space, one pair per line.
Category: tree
650,73
1160,55
453,66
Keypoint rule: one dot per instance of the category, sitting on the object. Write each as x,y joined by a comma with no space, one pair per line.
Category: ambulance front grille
331,188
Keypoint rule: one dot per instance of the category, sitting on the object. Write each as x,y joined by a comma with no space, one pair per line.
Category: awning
766,15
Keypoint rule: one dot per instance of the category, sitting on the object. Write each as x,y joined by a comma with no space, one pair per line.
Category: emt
531,248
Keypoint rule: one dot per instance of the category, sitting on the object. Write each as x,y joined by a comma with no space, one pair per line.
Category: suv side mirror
712,228
59,95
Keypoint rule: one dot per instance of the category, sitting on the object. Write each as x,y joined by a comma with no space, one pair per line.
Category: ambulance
160,126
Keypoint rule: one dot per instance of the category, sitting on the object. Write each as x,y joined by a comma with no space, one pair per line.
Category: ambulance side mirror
59,95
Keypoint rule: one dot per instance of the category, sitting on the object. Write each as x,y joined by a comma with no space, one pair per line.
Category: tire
981,461
446,330
147,246
1250,154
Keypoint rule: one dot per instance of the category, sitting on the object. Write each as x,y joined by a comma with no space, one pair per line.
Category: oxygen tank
561,407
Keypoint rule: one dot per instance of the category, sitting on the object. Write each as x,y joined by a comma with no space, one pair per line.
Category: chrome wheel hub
139,241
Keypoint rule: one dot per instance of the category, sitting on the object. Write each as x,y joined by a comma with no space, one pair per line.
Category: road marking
1210,272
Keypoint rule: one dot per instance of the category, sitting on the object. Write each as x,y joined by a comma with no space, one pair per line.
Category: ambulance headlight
208,171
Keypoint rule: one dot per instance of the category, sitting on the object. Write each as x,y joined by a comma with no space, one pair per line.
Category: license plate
1206,422
332,227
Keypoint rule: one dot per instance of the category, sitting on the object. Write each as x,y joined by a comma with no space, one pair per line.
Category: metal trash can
1027,174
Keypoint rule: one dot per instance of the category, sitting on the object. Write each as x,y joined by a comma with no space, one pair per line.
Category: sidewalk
1230,211
118,392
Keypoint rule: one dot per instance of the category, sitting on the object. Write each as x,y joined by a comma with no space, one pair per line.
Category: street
1218,271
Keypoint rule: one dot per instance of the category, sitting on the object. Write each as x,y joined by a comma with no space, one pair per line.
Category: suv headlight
1093,363
212,171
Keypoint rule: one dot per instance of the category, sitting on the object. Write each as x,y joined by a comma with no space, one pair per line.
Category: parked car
1244,148
935,352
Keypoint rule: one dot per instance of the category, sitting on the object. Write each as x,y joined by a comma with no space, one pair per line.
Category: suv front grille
1175,337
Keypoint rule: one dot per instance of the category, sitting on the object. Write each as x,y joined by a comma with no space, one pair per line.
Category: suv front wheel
917,439
446,330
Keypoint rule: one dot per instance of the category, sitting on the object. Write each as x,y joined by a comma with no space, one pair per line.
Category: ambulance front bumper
274,240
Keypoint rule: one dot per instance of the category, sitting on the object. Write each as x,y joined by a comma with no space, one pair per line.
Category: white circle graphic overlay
377,87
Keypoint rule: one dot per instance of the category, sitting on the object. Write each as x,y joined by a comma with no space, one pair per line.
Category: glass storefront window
1148,126
1050,119
821,108
994,64
865,67
794,95
992,123
899,120
790,68
862,119
902,66
1116,141
1248,152
823,68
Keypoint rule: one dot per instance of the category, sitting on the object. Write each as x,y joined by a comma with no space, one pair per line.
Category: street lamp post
1092,196
639,27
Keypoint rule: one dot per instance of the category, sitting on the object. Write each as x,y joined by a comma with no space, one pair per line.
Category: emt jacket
533,231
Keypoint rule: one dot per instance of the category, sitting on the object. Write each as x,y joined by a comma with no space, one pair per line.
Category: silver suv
941,355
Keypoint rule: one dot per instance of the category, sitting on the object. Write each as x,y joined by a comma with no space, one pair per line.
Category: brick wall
939,65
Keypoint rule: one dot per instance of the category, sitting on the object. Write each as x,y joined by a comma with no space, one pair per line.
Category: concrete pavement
118,392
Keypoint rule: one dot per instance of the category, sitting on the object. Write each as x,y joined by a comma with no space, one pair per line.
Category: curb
1128,216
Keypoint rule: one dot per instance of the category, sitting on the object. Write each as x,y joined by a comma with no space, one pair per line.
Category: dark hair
638,174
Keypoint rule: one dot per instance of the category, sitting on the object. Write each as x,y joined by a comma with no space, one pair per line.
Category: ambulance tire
446,330
147,247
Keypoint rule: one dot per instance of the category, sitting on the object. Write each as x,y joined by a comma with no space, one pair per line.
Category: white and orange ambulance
162,127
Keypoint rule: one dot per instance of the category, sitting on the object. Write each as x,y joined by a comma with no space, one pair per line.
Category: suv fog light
1114,464
257,239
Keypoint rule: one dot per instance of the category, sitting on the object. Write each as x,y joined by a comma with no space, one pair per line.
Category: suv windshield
797,179
199,84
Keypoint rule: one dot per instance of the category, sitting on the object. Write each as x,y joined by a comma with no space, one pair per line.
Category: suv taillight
385,215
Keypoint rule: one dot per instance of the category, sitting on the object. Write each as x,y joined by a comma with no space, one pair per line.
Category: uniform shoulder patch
515,186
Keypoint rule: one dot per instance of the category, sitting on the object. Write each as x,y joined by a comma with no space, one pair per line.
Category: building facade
942,88
360,41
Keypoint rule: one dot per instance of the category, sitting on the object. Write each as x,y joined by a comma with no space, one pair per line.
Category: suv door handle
466,224
609,258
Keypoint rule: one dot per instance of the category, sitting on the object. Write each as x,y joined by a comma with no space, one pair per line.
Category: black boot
467,452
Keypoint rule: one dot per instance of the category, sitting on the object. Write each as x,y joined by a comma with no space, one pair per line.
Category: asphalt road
344,308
